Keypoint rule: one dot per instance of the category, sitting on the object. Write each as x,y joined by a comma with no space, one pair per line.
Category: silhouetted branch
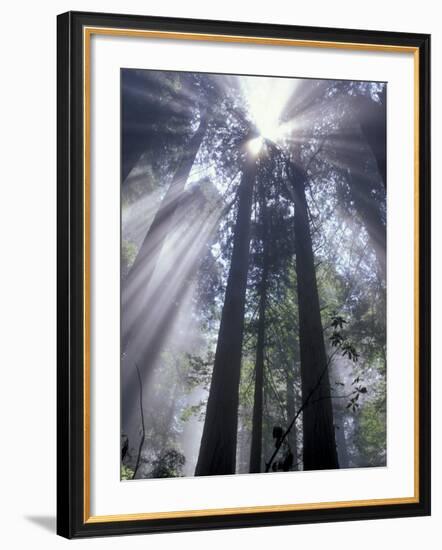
334,397
292,423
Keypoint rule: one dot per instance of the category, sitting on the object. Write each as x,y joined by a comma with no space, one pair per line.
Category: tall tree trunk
217,453
319,451
291,411
256,446
341,441
243,456
135,291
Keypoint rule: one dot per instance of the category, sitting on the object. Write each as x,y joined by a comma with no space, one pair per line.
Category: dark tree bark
291,411
319,451
256,446
217,453
143,429
135,291
243,455
341,441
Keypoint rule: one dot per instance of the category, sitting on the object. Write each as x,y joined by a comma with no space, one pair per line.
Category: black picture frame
72,520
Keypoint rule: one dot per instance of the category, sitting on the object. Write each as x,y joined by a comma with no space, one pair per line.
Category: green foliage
356,393
126,472
340,340
338,321
199,370
193,410
169,464
129,252
371,434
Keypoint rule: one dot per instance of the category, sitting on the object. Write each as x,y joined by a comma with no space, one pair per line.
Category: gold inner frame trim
87,34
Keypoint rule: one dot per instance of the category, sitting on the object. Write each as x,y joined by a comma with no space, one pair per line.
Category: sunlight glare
266,99
255,145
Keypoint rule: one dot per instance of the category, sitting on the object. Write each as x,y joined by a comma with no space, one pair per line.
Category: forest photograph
252,274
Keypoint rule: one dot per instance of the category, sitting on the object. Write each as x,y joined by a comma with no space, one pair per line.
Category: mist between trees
253,274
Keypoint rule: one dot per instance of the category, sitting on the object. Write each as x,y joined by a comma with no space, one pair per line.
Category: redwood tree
319,449
256,446
217,454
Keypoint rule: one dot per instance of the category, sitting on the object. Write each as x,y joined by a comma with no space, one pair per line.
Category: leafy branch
338,341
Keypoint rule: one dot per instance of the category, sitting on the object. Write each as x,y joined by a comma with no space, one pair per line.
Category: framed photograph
243,274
